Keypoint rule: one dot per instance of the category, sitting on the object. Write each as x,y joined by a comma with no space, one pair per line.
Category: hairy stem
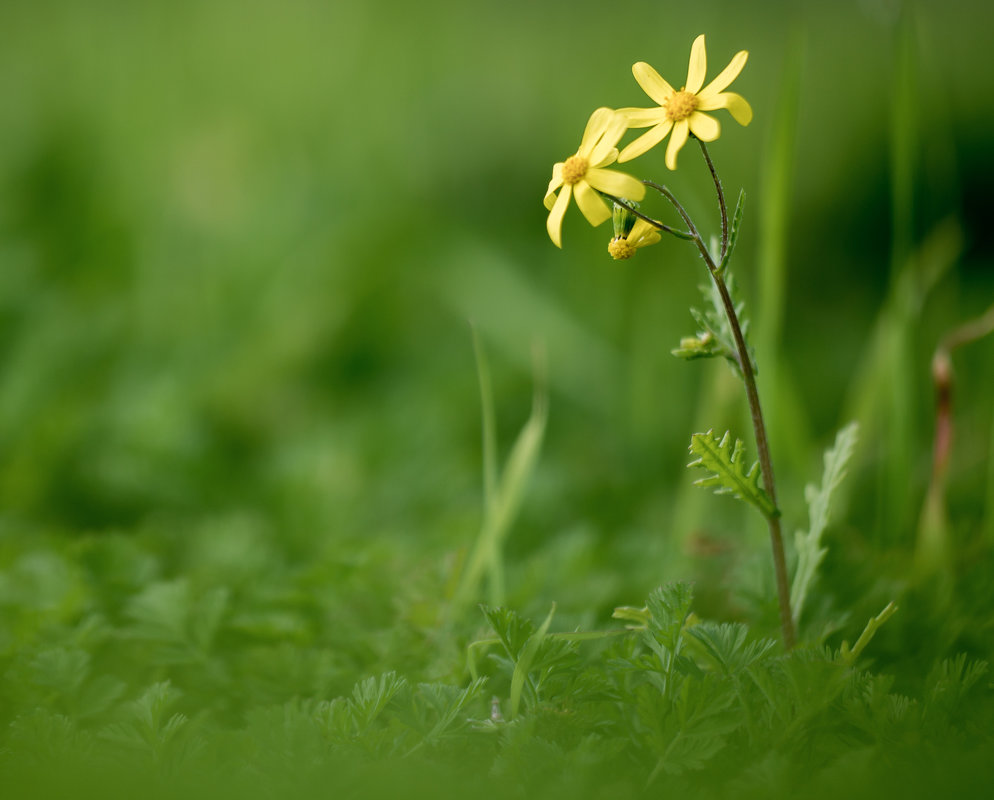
755,410
721,199
654,222
752,394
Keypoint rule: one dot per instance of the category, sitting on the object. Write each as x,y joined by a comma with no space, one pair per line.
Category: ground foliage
115,682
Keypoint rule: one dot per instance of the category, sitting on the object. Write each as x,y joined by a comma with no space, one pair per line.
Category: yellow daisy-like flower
583,174
642,234
680,111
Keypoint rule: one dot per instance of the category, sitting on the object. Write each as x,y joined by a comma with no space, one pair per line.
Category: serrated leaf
727,645
512,629
724,460
819,498
524,663
669,607
372,695
733,235
715,337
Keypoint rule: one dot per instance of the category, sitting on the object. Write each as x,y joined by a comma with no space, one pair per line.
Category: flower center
620,249
574,168
681,105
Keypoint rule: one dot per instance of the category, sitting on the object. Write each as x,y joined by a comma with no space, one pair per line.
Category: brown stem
654,222
756,411
721,198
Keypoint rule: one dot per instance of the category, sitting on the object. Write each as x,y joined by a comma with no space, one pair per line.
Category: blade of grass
789,434
508,491
489,434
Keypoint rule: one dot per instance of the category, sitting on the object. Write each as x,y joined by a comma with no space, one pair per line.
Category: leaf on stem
724,460
734,232
715,337
819,498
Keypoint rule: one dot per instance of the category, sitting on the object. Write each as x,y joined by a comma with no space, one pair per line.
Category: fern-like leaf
808,544
724,460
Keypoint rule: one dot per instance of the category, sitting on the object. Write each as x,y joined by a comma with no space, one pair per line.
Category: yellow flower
583,174
641,235
680,111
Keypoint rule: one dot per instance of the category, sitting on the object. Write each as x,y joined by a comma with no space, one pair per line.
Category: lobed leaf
724,460
819,498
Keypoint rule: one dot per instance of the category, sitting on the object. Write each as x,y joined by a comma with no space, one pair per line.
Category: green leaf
849,655
728,473
524,663
512,629
714,336
733,234
819,498
727,645
503,494
371,696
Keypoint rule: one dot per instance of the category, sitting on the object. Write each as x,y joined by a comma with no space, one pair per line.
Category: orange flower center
620,249
681,105
574,168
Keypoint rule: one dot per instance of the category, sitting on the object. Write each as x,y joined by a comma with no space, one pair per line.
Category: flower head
641,235
681,111
583,174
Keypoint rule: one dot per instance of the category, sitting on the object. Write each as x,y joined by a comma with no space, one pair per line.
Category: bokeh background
242,245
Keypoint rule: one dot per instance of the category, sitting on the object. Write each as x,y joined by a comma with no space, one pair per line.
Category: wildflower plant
681,115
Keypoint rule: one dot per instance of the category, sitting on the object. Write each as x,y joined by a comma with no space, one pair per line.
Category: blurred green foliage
240,245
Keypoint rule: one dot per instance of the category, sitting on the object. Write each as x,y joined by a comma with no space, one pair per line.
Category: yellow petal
651,82
737,106
726,76
640,229
555,183
554,224
704,127
698,66
643,117
591,204
642,234
596,126
616,183
646,141
609,158
601,154
677,140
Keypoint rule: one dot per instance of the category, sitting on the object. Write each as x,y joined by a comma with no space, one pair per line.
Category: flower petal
704,127
646,141
616,183
736,104
591,204
643,236
555,183
643,117
554,223
596,126
609,158
677,140
601,153
651,82
698,66
726,76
